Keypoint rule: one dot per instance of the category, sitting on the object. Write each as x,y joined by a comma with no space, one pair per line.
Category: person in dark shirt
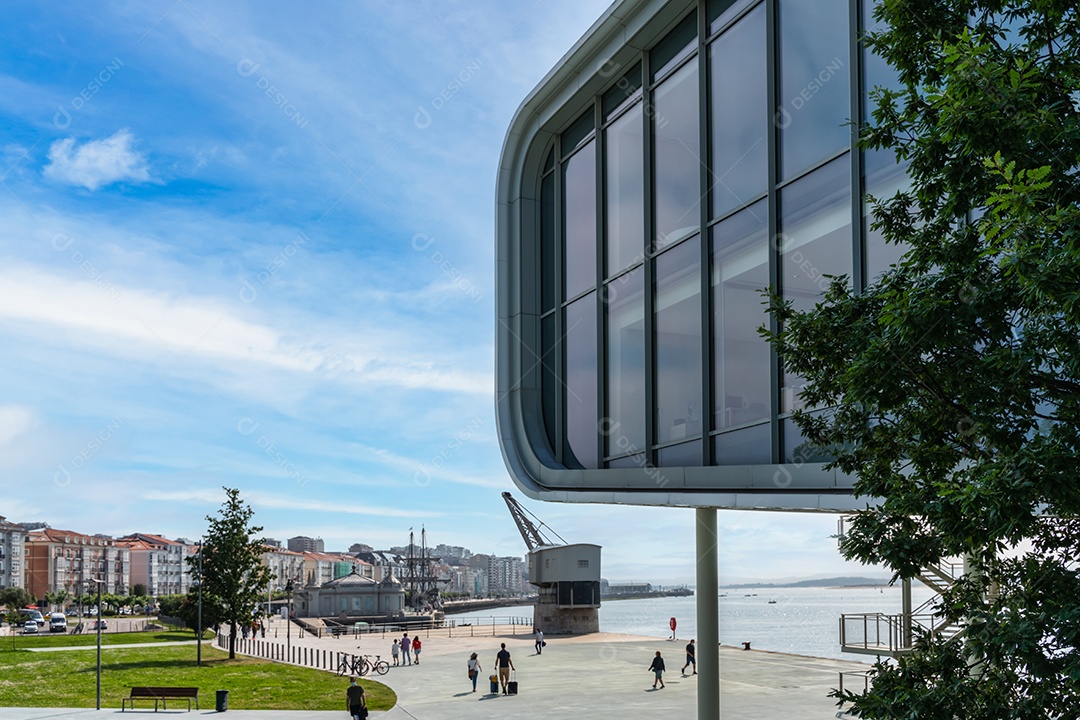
355,700
690,659
658,670
505,665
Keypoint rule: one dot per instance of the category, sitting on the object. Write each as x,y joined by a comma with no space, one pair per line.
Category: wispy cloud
97,163
261,500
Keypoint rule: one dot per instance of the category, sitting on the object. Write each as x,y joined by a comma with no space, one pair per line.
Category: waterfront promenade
603,676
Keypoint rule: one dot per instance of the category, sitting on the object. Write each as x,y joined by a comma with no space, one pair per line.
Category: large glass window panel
815,241
625,191
626,89
740,116
745,446
678,342
579,203
687,454
814,86
678,43
676,163
626,391
581,382
884,178
720,12
740,271
547,242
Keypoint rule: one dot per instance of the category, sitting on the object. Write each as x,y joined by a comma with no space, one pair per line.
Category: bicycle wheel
382,667
362,668
343,667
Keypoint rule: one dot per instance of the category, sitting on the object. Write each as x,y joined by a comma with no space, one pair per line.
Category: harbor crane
530,532
567,576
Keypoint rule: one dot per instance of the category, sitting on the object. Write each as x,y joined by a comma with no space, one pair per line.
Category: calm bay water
803,621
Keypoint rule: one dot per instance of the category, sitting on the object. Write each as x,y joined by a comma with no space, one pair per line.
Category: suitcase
511,687
494,680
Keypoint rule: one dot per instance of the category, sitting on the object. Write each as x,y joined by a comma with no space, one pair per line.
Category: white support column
708,624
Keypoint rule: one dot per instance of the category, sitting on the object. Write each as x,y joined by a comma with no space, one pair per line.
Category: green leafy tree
234,577
15,597
952,382
138,589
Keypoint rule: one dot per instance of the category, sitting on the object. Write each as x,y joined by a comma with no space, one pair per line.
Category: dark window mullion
601,268
558,353
705,276
649,298
858,264
772,71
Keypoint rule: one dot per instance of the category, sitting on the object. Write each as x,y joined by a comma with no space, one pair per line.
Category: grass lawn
23,642
67,679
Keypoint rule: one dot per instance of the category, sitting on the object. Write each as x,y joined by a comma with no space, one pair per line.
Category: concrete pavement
602,676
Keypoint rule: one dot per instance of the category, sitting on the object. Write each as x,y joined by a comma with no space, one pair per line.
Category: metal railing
441,627
884,634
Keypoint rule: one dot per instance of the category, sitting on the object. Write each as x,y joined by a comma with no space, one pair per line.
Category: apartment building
12,549
67,560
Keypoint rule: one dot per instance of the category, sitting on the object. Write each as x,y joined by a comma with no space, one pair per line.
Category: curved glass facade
686,179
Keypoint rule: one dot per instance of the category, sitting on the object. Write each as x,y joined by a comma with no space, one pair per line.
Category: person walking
474,670
355,701
690,658
658,670
406,650
539,640
505,665
394,650
416,650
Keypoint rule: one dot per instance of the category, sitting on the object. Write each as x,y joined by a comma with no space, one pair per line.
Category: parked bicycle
378,664
351,665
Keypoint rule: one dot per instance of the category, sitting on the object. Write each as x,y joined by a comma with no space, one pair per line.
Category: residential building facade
67,560
12,552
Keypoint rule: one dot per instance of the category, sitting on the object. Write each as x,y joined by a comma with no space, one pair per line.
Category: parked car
30,626
103,623
35,615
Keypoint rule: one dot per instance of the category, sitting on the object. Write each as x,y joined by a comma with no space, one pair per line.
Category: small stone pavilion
351,596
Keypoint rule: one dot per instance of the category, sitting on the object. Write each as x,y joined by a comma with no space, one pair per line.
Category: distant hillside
817,582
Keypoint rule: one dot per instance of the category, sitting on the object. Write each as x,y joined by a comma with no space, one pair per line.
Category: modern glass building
680,159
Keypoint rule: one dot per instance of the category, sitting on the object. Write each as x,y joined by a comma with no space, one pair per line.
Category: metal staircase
892,635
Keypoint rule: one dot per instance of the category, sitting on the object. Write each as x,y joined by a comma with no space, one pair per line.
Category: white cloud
97,163
15,420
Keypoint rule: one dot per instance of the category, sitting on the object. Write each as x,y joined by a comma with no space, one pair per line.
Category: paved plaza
602,676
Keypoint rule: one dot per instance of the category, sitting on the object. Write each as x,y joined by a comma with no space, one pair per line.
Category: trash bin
222,700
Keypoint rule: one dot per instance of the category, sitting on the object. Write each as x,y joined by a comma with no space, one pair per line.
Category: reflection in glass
884,178
630,461
687,454
740,271
797,449
745,446
814,106
625,91
883,175
676,160
581,381
739,114
547,242
815,241
625,415
678,342
579,201
625,196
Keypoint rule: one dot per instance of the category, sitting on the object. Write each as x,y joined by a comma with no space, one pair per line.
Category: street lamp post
198,651
288,620
99,583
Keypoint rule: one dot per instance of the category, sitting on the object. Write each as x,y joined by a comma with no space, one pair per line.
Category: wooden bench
161,694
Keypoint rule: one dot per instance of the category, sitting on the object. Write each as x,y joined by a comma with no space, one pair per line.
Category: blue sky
251,245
